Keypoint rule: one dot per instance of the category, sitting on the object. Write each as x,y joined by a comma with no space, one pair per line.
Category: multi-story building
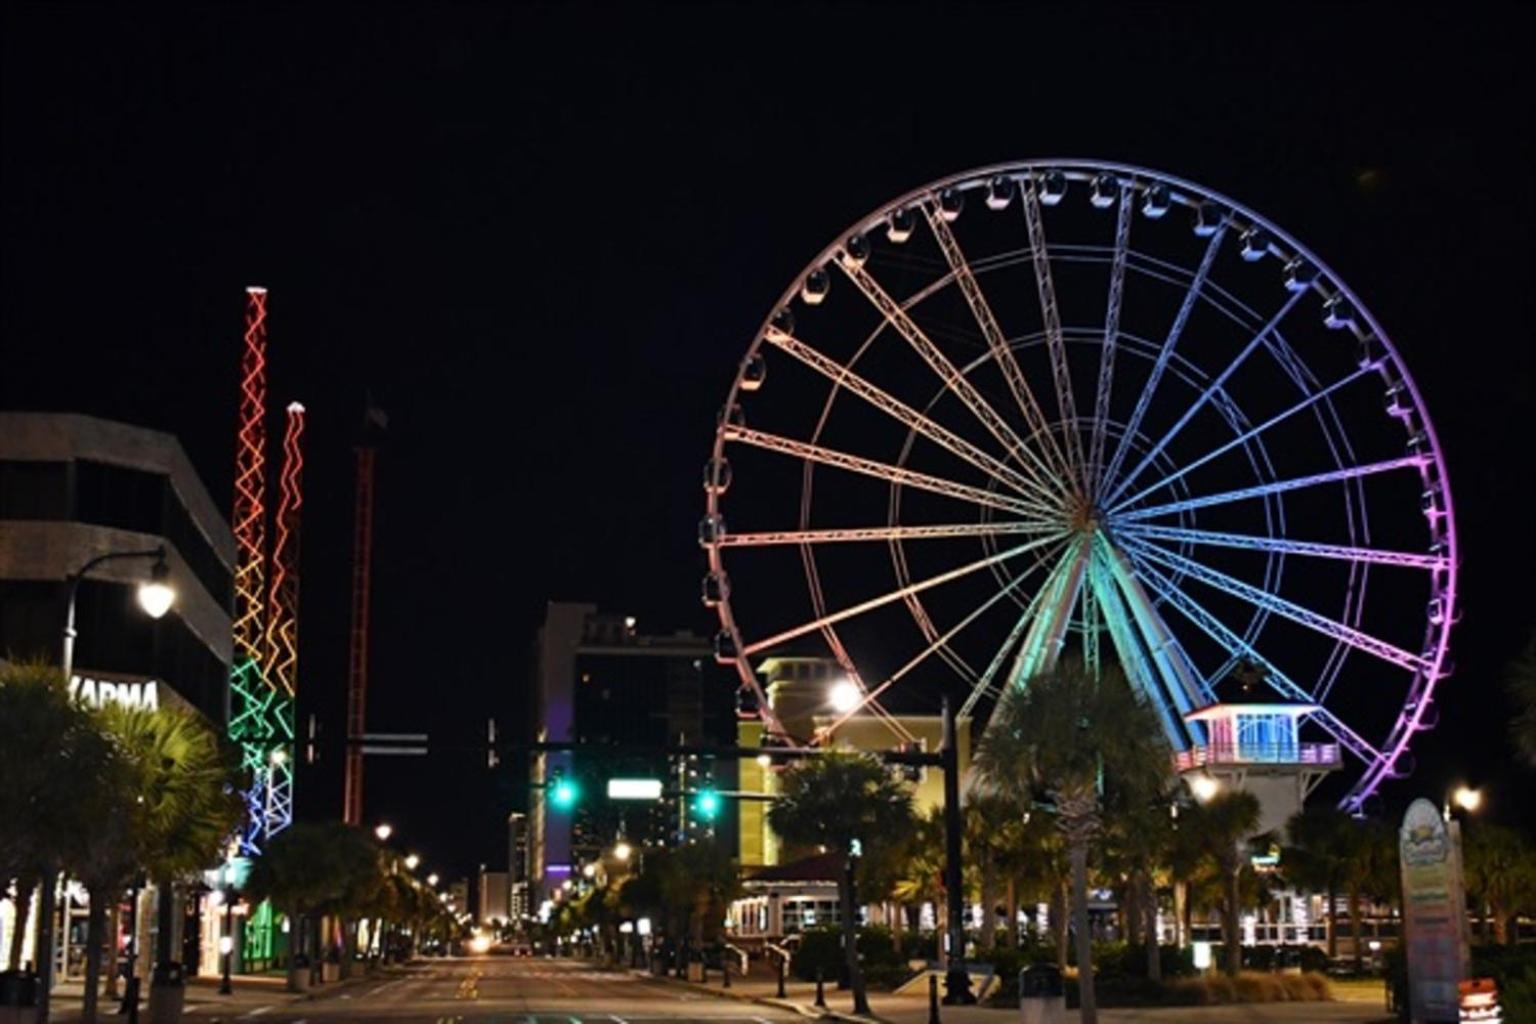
73,488
518,905
492,908
622,697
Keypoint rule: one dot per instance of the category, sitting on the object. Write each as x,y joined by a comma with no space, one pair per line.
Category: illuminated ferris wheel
1072,406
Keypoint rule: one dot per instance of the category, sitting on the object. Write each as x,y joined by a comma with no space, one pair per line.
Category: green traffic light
565,794
708,804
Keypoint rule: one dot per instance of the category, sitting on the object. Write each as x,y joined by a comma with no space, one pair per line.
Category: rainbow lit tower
263,679
282,636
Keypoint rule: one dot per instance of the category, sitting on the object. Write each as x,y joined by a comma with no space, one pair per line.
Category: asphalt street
513,991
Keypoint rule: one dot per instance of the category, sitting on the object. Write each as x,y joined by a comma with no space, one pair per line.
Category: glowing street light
1204,787
432,878
1465,799
845,696
383,831
156,595
621,851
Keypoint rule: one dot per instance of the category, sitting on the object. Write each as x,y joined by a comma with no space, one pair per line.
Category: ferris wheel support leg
1182,682
1132,653
1047,633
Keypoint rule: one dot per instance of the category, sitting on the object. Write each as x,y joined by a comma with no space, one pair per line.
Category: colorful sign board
1434,913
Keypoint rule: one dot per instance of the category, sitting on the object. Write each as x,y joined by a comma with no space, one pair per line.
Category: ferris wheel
1074,406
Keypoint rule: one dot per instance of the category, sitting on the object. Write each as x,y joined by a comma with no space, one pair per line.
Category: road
512,990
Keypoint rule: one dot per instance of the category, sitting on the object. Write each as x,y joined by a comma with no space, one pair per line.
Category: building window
34,490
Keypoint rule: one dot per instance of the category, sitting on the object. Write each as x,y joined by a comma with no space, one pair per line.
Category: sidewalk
800,997
250,992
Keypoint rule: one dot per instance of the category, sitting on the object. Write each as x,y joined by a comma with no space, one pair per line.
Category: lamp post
383,831
155,595
227,944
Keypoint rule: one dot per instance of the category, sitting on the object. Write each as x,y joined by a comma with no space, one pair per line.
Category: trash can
167,993
301,971
1042,997
18,997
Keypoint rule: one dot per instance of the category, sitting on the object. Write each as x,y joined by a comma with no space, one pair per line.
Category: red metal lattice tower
283,605
357,668
250,516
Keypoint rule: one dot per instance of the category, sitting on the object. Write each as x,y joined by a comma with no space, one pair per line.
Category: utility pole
957,983
357,660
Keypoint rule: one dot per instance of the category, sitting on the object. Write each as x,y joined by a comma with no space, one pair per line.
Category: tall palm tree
1500,864
190,808
920,878
1139,837
1224,824
1317,857
843,801
989,825
1520,683
1063,735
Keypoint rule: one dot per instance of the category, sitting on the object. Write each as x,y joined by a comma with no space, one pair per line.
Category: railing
1320,755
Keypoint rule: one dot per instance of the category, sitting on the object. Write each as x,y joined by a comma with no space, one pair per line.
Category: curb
808,1012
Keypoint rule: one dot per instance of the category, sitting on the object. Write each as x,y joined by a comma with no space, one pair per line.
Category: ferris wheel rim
1424,681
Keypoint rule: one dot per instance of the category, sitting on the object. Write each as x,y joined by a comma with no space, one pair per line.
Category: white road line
262,1009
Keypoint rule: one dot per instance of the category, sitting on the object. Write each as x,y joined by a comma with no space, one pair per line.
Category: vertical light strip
251,698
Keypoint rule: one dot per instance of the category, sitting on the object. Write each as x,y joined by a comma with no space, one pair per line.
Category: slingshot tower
264,679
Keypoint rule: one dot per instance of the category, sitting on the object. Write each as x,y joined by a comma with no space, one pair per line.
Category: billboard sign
1434,913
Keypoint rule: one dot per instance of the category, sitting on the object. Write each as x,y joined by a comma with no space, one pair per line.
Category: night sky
542,239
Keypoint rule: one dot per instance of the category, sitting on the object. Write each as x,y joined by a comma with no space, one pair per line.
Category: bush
819,948
886,977
1120,959
1275,958
877,947
1249,987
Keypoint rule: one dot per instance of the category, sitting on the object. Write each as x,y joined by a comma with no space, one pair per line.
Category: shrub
819,948
1253,987
1119,959
877,947
886,977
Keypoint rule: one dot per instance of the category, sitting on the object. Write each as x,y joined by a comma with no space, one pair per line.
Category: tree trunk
1154,950
1129,910
114,930
1333,923
95,932
43,945
1078,853
344,935
851,937
1012,931
1061,906
23,902
1229,923
988,904
1180,913
1354,928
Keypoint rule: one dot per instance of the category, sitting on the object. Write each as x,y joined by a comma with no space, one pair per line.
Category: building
799,690
492,908
518,905
75,487
624,696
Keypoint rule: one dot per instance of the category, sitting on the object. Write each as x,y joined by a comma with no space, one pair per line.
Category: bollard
783,966
933,999
821,996
725,971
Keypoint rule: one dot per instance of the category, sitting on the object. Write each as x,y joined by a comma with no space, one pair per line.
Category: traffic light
563,792
707,803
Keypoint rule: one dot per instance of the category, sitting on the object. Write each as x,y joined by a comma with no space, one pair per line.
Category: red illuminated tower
282,636
357,668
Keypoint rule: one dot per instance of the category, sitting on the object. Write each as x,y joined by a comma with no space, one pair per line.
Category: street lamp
383,832
156,595
1464,798
432,879
1204,787
845,696
621,851
411,860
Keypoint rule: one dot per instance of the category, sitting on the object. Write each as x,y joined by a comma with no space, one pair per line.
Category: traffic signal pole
957,982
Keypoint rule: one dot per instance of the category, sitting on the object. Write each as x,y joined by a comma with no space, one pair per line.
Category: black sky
543,237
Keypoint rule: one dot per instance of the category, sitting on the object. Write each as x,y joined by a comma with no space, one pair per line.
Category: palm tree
1500,865
842,802
1317,857
1140,835
1062,735
920,876
1520,683
48,744
990,823
1223,826
299,872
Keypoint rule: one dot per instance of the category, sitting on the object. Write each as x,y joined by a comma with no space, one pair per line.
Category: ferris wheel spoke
1211,390
1236,646
1246,436
1275,487
1050,315
1033,511
1144,400
1002,352
1280,606
1111,339
950,375
895,595
766,538
938,643
1285,546
843,377
984,686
